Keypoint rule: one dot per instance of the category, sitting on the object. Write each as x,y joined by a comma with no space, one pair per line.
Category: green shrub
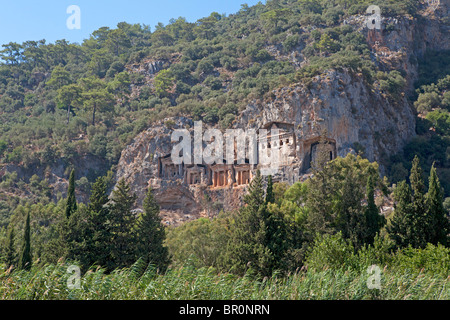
427,101
441,121
330,251
393,83
3,146
15,156
433,259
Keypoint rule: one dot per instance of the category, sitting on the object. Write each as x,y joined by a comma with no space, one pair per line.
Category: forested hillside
67,111
64,101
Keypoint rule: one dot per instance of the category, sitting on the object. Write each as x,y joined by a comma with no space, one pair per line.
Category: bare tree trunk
93,115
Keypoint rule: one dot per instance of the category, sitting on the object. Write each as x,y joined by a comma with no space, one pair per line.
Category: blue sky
22,20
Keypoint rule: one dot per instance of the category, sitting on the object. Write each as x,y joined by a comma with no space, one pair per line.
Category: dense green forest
311,240
62,102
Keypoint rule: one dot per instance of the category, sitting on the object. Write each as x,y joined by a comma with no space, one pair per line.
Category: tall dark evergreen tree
246,247
151,235
275,231
71,205
335,199
255,198
350,219
98,215
419,218
439,224
121,223
400,227
270,196
420,221
99,195
25,261
259,237
320,203
10,254
374,220
88,236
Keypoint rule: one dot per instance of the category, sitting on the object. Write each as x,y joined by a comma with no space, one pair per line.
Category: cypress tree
10,255
400,228
420,223
438,224
71,205
254,199
374,221
270,196
25,257
151,235
259,237
413,221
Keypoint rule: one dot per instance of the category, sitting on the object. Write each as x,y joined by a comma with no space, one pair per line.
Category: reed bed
186,283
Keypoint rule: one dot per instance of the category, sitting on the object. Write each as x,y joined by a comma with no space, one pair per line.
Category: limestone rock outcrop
342,104
355,116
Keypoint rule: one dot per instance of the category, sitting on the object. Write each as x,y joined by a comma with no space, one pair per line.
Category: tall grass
187,283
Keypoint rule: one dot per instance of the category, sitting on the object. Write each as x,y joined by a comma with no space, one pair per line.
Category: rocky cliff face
57,176
179,201
356,117
342,104
353,114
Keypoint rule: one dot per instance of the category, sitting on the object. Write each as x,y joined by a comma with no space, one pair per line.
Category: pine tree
439,223
275,231
350,219
254,199
320,203
246,247
71,205
99,195
88,237
25,257
151,235
121,222
10,255
98,216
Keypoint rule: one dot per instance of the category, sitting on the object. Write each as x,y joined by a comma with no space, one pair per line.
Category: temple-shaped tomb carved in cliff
195,174
168,170
294,152
225,175
316,148
243,174
221,175
284,143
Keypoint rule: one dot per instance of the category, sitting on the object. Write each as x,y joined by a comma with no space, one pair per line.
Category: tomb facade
296,157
